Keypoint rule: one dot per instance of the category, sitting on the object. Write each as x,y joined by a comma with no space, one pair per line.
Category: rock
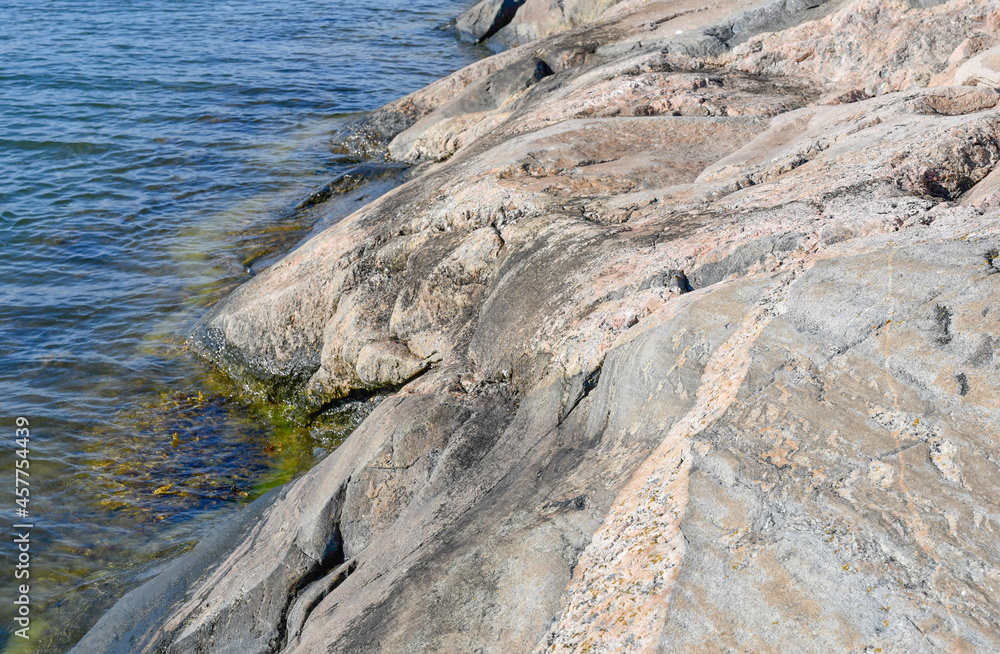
510,23
845,534
694,344
486,18
839,53
981,70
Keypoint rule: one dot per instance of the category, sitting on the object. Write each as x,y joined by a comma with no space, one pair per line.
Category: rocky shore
692,314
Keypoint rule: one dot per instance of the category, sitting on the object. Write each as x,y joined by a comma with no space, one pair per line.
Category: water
147,149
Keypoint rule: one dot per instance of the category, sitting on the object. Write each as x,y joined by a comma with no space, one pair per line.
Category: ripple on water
151,151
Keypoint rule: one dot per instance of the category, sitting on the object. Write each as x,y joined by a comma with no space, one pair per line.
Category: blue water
146,150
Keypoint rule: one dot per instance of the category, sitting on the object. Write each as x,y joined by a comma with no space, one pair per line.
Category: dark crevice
362,394
356,395
542,70
590,383
348,181
508,9
588,386
934,185
301,602
331,583
682,281
670,279
499,234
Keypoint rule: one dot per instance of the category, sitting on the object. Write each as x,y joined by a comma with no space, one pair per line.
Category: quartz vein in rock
618,598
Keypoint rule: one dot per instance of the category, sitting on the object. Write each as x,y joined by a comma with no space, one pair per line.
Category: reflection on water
150,152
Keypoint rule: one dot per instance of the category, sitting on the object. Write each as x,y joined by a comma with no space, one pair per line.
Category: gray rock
486,18
834,498
510,23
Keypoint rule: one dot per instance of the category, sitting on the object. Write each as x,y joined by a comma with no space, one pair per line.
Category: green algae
172,454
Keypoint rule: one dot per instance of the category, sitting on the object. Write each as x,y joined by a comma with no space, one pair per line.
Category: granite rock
510,23
693,343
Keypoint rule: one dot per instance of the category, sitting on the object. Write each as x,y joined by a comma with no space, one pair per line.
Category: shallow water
149,152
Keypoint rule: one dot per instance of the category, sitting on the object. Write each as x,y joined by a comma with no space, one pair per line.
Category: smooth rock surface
981,70
696,348
510,23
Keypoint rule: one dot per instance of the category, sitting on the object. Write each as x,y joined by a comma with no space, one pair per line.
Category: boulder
510,23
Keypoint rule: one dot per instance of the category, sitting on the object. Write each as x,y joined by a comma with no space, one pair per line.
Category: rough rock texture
694,330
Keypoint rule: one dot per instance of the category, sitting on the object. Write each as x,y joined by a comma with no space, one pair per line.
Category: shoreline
135,181
659,291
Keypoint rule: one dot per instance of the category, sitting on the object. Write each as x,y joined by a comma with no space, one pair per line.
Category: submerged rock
695,340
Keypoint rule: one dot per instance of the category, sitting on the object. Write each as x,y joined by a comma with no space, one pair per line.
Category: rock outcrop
509,23
692,312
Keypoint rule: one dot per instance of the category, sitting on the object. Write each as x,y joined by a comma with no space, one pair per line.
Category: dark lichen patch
992,257
577,503
743,258
963,383
856,95
942,316
935,184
